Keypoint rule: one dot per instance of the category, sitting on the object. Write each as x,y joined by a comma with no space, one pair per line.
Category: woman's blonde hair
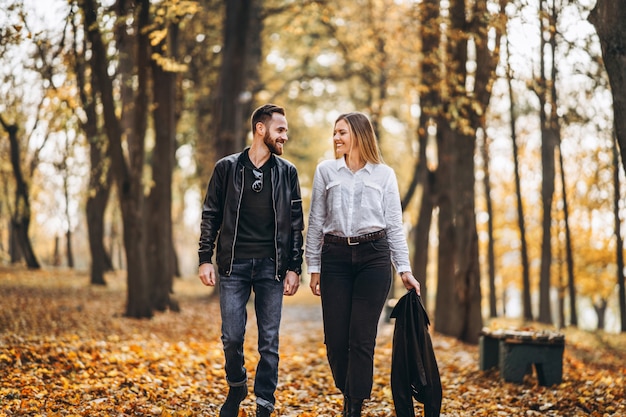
363,136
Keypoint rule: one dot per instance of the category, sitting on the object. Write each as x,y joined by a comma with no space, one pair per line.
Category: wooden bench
515,352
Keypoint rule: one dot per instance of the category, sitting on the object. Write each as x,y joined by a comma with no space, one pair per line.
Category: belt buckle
350,243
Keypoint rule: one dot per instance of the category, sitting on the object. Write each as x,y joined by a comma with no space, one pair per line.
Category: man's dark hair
264,113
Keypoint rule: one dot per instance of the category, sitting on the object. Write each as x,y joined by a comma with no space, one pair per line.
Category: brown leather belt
355,240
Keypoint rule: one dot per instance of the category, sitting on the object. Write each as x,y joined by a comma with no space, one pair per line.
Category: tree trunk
491,258
487,59
116,248
56,254
608,17
68,234
421,236
203,72
20,226
467,281
133,201
68,249
561,294
526,301
128,176
458,311
15,253
569,253
96,207
619,246
227,124
2,230
254,61
547,194
600,309
424,176
100,177
159,213
448,316
100,180
548,145
422,230
448,319
20,216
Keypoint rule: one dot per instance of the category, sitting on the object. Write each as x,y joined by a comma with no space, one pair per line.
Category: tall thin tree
21,213
619,241
430,102
159,203
548,166
569,256
100,174
521,224
227,128
491,257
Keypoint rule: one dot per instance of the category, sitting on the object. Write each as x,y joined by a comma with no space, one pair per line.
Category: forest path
65,349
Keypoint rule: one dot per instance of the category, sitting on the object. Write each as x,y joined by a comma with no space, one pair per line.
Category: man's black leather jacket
220,213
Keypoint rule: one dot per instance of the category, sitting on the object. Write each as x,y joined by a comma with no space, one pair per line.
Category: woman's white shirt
348,204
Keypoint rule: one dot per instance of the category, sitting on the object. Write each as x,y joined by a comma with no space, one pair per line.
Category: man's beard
271,145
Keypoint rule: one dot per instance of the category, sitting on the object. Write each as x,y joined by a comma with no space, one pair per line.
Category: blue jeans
248,275
354,283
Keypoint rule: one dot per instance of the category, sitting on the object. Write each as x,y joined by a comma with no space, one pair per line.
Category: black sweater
414,371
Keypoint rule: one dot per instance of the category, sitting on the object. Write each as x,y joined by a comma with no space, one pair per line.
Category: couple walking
252,211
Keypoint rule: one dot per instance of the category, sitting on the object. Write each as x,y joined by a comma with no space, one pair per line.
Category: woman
354,237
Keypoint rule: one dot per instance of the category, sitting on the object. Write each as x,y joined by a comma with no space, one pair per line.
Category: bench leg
515,371
489,352
550,373
514,363
516,360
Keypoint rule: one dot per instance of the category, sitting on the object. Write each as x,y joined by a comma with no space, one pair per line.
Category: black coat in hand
414,371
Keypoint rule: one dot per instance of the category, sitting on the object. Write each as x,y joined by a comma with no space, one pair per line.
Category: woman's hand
410,282
315,283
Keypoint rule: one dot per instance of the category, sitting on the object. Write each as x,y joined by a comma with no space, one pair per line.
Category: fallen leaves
65,351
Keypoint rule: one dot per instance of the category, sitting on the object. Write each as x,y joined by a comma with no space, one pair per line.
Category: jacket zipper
275,223
232,249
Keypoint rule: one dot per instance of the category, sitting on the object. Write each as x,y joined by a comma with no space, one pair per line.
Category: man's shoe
234,398
262,411
354,407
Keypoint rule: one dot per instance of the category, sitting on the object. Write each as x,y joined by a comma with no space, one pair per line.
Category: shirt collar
341,164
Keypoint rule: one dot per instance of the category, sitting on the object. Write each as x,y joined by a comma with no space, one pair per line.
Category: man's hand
291,283
206,272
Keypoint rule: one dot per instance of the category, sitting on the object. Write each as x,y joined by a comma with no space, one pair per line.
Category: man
253,200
